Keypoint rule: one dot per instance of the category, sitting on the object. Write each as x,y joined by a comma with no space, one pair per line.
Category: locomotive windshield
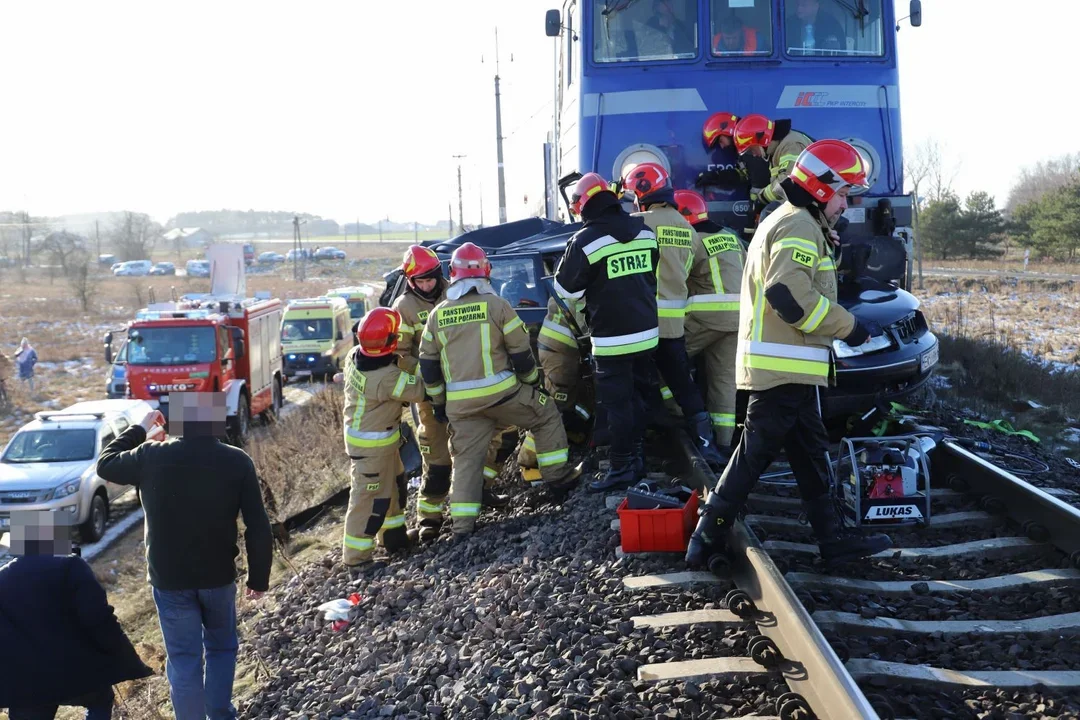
833,28
629,30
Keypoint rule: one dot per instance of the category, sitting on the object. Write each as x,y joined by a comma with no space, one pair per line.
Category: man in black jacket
61,642
192,488
611,262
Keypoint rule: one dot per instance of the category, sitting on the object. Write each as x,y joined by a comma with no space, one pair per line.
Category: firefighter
766,145
560,359
788,319
375,390
610,263
481,375
425,288
718,133
712,309
655,197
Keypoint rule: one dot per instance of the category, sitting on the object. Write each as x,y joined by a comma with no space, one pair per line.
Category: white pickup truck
51,463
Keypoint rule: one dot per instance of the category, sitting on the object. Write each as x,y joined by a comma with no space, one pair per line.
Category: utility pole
298,247
460,196
450,209
499,136
416,232
380,229
97,236
481,204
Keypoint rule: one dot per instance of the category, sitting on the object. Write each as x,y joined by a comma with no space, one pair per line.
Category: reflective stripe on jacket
788,339
714,282
782,156
675,238
473,338
556,334
373,400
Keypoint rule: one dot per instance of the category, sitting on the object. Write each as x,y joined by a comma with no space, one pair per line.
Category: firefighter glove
440,413
726,178
858,336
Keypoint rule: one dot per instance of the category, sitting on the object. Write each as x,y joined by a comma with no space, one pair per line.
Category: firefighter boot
701,430
623,471
710,535
492,499
429,529
836,543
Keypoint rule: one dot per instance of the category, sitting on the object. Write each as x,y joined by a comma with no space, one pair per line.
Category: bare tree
134,236
82,278
926,171
1034,182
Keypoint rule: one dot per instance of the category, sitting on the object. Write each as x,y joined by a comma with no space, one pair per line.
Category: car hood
39,476
877,302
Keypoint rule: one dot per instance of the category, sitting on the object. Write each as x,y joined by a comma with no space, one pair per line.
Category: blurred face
836,206
425,285
756,151
731,39
725,141
40,533
806,10
195,414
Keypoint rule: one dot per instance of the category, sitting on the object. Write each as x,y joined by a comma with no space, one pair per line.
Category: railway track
976,614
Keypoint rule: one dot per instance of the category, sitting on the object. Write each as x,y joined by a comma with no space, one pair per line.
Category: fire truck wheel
241,422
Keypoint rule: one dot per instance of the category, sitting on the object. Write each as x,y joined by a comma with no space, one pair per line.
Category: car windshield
171,345
58,445
834,28
741,28
629,30
307,329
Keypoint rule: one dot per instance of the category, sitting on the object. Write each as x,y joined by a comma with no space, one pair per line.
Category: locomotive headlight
870,159
636,154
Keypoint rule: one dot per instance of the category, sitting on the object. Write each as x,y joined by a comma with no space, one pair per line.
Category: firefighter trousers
717,351
674,366
562,380
435,483
623,384
786,417
376,507
471,436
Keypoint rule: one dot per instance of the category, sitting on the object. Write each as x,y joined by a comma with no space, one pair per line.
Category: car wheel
94,528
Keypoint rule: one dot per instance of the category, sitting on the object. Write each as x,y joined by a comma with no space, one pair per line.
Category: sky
354,109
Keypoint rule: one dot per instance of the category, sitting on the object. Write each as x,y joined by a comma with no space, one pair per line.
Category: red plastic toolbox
666,530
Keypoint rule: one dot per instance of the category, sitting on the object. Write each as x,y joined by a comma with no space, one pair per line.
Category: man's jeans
192,620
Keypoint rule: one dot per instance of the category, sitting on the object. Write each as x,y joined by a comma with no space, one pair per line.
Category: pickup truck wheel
94,528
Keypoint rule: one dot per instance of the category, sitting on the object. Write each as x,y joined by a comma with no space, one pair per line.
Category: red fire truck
208,343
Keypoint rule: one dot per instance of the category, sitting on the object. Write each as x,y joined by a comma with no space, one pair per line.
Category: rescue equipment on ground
885,480
657,525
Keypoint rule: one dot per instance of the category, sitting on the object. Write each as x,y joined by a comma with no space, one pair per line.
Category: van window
106,439
121,424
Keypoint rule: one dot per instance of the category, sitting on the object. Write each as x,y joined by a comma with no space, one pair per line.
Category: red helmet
753,130
826,167
378,332
469,261
585,189
646,178
419,261
718,124
692,206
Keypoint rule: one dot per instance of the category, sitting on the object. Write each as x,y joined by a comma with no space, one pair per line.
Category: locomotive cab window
741,28
834,28
644,30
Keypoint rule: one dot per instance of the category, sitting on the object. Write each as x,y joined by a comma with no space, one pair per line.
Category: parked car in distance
51,463
134,268
294,254
116,376
198,268
271,258
249,254
329,253
163,268
107,260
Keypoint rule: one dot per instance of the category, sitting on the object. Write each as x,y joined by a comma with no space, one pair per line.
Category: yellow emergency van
315,336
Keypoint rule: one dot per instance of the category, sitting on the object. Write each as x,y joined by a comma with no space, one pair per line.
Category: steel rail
813,670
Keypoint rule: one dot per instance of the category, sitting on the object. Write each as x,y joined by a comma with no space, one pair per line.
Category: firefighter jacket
788,310
611,262
715,280
414,311
675,237
373,400
557,334
474,353
782,155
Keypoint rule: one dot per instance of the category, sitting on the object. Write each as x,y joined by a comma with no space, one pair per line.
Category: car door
518,279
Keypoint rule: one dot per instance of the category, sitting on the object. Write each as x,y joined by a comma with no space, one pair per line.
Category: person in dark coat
61,643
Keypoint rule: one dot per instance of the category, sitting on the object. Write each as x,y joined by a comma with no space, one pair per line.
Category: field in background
69,341
1010,348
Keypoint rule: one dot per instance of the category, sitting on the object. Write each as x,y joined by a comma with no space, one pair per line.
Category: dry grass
69,341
